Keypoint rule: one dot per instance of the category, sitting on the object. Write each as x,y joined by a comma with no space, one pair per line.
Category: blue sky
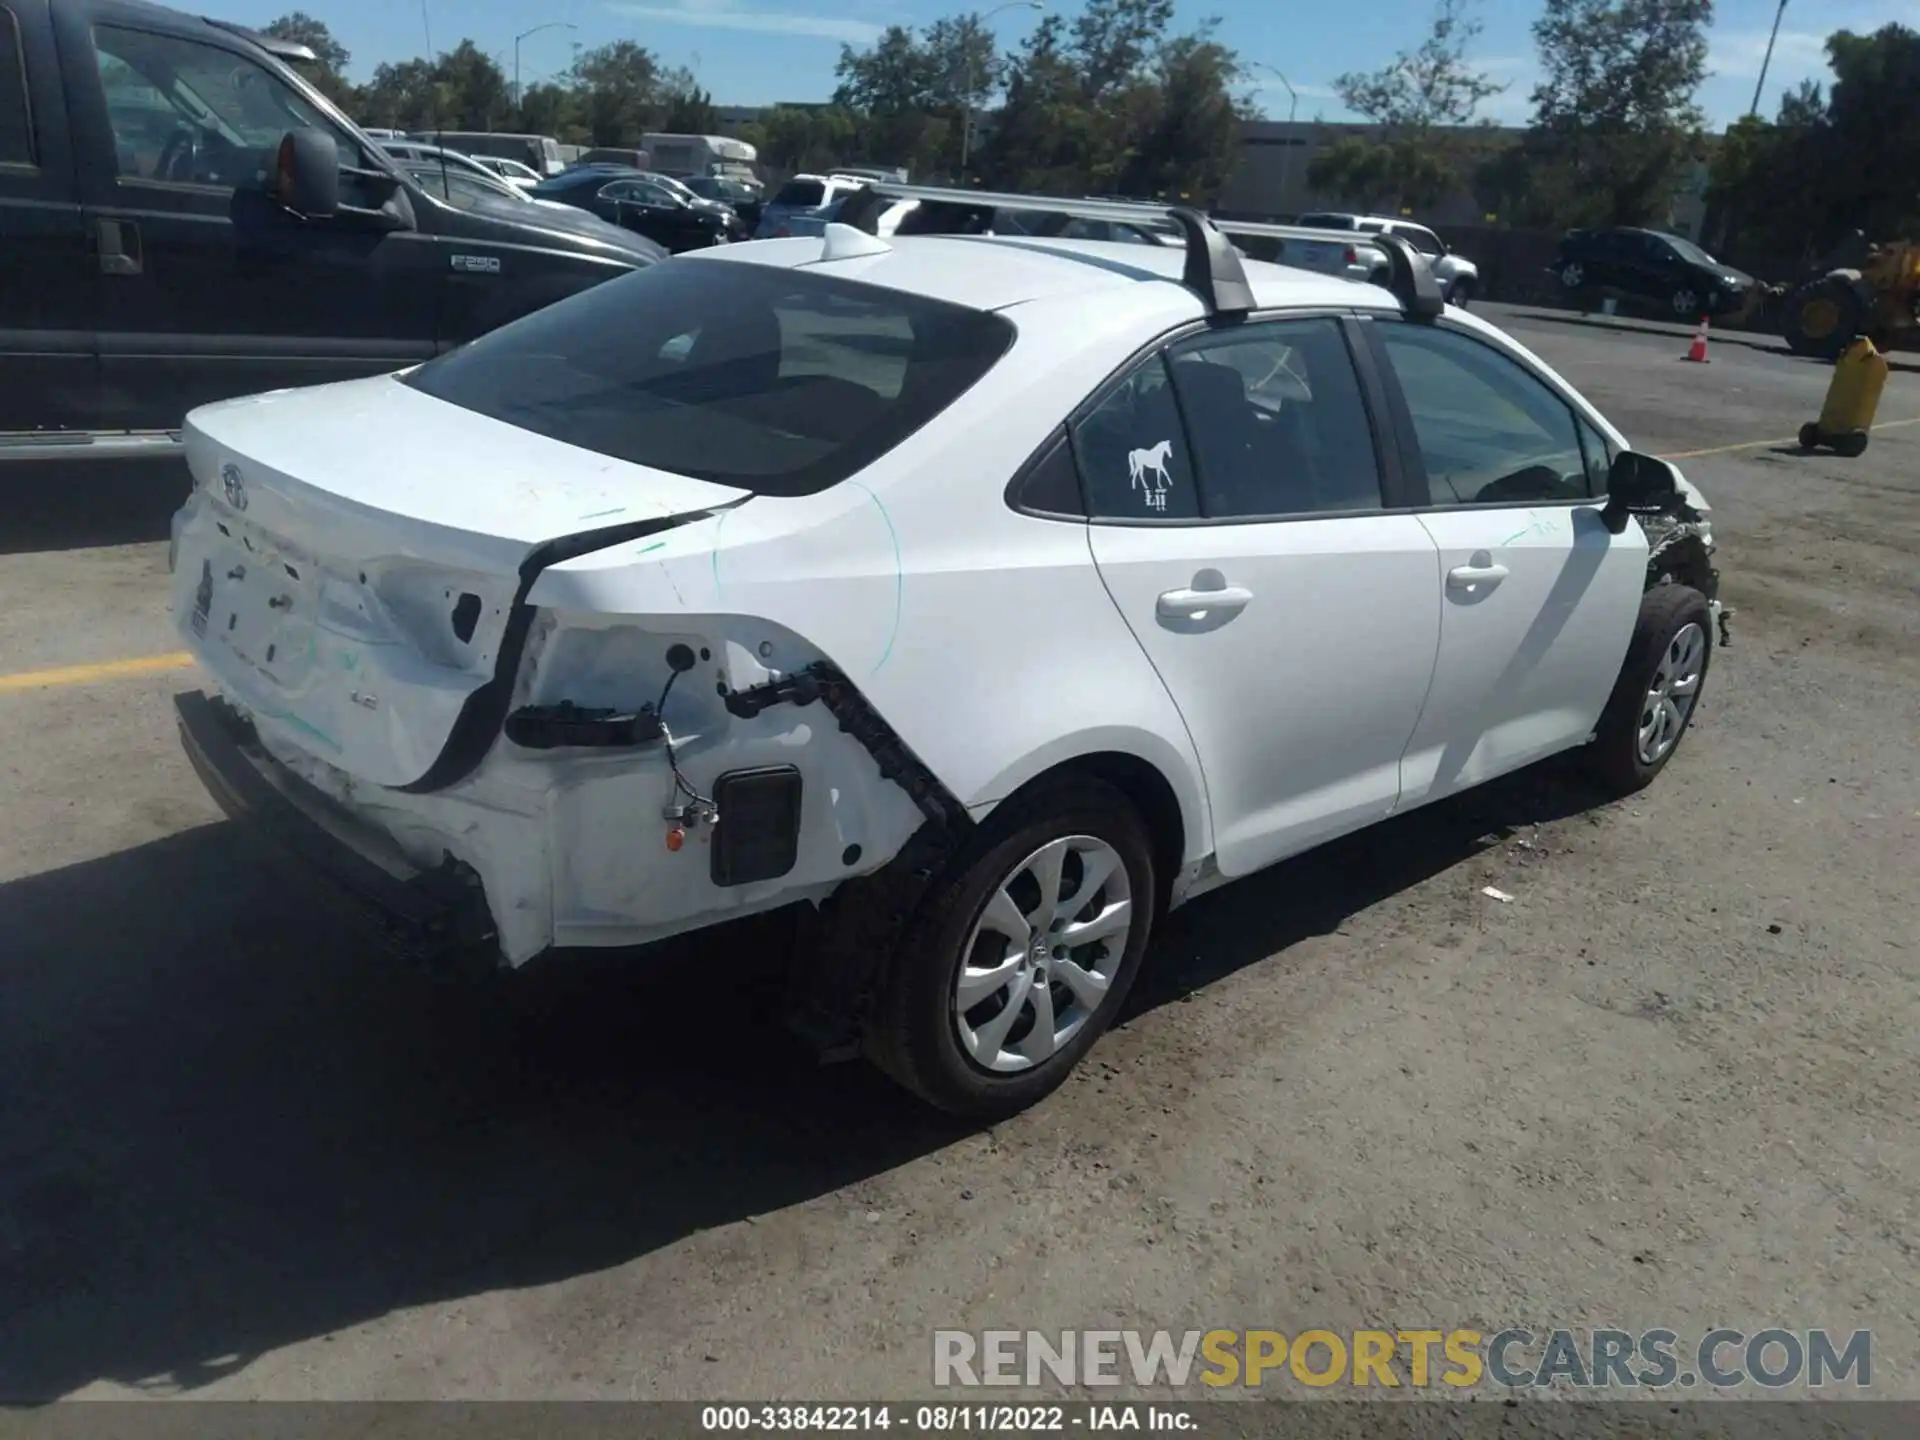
756,52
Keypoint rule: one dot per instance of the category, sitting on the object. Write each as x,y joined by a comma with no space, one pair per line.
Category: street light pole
966,117
1767,60
1293,109
550,25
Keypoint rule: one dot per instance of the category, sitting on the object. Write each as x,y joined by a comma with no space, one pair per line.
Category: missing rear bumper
428,914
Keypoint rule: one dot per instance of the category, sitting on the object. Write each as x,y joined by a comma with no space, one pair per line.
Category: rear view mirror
1636,483
306,173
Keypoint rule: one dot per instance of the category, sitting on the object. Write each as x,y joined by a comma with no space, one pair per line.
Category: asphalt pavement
1667,1083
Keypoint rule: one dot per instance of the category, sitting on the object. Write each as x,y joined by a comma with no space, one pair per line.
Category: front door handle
1482,571
1189,604
119,247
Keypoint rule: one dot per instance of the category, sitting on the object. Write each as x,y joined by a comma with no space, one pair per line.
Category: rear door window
16,130
801,193
772,381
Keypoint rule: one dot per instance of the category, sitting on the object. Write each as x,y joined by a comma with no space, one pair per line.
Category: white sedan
988,596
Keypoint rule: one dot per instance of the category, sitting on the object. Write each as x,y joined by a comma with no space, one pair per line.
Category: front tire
1462,293
1022,954
1658,691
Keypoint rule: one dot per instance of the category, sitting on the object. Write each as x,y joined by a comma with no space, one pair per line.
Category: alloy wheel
1043,954
1671,696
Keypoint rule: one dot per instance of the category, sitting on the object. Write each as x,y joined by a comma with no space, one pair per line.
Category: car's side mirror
1638,483
306,173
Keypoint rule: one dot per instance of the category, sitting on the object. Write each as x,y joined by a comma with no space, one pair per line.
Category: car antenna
433,100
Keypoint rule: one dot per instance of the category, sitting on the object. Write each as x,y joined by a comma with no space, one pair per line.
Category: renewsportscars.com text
1604,1359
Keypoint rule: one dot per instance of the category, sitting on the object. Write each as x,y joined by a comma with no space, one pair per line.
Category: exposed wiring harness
681,785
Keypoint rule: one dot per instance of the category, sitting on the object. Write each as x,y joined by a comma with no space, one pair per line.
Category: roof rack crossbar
1212,269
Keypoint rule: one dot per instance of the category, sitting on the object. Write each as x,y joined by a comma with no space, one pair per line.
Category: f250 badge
477,264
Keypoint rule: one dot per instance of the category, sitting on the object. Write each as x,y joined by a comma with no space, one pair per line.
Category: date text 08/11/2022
945,1419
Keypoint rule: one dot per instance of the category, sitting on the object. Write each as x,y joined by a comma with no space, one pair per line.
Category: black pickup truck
184,218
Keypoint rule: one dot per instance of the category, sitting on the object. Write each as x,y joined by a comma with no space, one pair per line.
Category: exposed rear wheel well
1150,794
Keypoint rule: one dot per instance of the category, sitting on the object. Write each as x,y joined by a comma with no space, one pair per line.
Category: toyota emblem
234,486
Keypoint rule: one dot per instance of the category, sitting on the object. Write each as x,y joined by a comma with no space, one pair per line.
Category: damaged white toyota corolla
992,595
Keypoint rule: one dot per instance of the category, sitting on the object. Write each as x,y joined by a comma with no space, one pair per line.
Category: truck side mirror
1637,482
306,173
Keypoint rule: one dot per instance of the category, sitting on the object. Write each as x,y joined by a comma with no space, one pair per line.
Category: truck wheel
1822,317
1021,956
1658,690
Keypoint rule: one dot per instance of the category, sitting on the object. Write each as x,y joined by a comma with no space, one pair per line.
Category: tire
916,1034
1810,436
1823,316
1686,303
1462,293
1667,614
1573,276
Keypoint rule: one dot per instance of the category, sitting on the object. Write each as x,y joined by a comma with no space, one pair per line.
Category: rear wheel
1659,687
1686,303
1021,957
1823,317
1573,276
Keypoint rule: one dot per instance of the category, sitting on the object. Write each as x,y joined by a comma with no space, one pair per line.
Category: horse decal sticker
1148,470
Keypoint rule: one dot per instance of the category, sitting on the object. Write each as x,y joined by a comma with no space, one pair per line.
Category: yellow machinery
1874,296
1859,375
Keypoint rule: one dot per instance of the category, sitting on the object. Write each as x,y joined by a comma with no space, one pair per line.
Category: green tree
1111,102
618,85
474,92
1614,112
550,109
1411,98
329,70
687,109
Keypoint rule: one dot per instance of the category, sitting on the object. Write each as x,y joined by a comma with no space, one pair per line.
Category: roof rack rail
1213,269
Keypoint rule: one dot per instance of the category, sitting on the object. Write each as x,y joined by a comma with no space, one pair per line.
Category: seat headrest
1211,384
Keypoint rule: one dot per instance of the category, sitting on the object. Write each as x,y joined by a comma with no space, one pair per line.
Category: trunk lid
351,562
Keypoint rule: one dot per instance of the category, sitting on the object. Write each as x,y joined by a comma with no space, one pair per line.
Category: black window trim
1408,441
30,165
1396,492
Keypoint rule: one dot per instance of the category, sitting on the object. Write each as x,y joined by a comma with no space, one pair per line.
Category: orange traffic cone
1697,352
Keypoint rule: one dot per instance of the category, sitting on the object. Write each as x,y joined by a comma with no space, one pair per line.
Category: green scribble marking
899,580
656,545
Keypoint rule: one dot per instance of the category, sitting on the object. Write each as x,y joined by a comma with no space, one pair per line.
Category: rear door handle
1186,604
119,247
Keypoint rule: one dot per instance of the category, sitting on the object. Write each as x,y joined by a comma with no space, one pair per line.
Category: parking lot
1667,1084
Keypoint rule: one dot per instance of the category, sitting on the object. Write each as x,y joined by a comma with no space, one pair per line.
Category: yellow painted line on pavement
1757,444
89,674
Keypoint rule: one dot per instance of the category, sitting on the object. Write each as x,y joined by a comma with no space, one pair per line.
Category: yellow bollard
1859,375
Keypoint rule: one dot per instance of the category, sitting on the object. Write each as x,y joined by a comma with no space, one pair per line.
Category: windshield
769,380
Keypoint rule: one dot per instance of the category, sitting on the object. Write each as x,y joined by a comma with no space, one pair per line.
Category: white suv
989,595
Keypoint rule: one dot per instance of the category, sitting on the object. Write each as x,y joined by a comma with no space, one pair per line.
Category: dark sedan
637,201
1655,266
744,199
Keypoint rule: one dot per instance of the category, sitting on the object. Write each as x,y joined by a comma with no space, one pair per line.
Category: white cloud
1739,53
720,15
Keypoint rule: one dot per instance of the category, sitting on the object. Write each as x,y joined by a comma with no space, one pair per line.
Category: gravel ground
1669,1084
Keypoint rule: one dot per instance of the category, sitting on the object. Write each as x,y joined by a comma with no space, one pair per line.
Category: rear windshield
769,380
801,192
